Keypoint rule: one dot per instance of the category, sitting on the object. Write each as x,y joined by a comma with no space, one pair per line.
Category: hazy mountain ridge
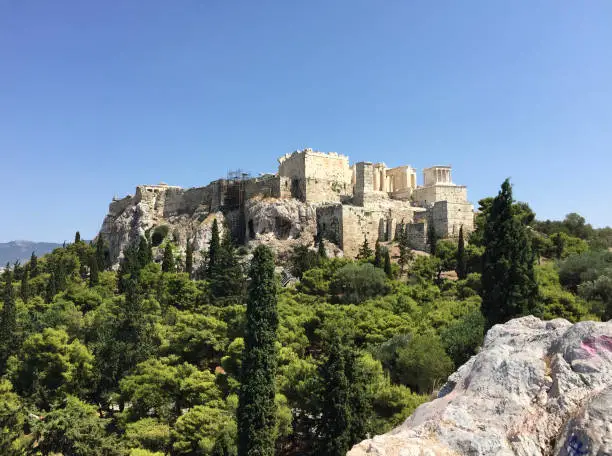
21,250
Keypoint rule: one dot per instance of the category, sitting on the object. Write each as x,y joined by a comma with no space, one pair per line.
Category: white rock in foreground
536,388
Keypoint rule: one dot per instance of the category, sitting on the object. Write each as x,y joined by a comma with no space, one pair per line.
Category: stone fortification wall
428,195
315,176
448,218
417,235
373,223
117,206
268,186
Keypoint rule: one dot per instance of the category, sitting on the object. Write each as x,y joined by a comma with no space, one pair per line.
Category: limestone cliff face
536,388
189,215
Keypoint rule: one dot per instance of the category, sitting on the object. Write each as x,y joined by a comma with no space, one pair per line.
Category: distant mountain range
22,250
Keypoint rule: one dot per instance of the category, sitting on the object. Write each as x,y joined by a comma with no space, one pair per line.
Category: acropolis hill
313,193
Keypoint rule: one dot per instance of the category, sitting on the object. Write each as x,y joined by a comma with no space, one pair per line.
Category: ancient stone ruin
312,194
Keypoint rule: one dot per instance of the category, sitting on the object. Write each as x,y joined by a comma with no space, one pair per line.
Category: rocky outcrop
536,388
189,215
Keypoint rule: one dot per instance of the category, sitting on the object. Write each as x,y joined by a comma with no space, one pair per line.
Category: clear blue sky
97,97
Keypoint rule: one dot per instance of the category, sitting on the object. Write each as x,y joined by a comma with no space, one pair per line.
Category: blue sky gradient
97,97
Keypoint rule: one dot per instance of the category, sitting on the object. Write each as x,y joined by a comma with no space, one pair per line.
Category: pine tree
365,251
189,258
213,246
378,255
8,320
33,265
461,256
256,415
432,238
509,288
168,260
387,266
77,237
25,284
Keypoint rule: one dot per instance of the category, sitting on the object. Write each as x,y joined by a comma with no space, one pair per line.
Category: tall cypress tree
100,253
168,260
365,251
387,267
405,253
77,237
256,413
509,288
189,258
345,407
321,252
226,274
33,265
8,320
461,258
334,428
213,247
145,255
378,255
25,284
94,273
432,238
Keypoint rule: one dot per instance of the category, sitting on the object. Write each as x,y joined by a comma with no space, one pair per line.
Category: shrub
159,234
355,283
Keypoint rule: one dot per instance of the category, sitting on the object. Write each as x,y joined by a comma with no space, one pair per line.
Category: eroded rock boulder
536,388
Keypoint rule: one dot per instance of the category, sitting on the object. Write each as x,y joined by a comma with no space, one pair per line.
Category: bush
159,234
462,337
354,283
423,364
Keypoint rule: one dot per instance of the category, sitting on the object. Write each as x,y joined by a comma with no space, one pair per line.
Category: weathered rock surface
280,223
536,388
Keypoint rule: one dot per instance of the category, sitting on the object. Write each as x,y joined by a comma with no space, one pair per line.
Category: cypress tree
461,258
145,255
226,276
168,260
189,258
509,288
94,277
33,265
213,246
405,253
8,320
365,251
334,428
256,415
321,252
345,404
77,237
432,238
100,253
387,267
25,284
378,255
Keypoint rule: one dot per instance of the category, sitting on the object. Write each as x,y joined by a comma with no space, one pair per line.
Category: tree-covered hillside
176,358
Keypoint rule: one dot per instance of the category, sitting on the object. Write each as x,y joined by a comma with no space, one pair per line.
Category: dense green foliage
256,407
509,288
154,359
